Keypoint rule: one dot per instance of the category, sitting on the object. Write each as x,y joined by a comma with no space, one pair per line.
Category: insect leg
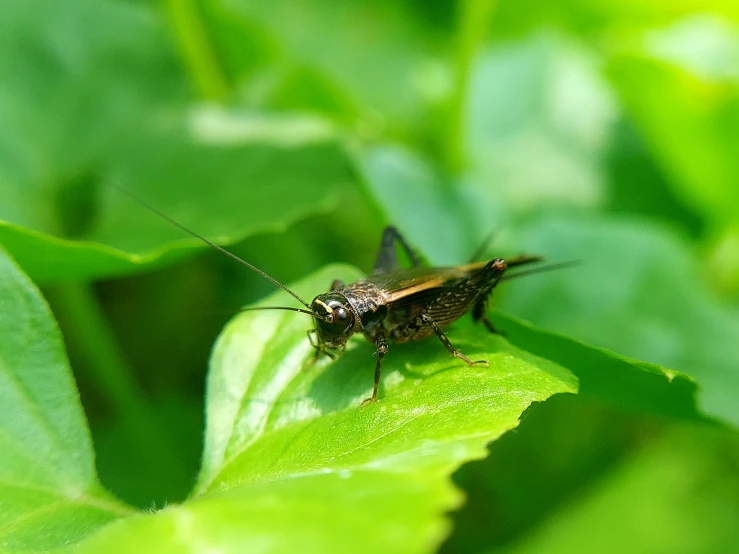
337,284
426,319
455,301
381,343
317,354
313,338
478,314
387,257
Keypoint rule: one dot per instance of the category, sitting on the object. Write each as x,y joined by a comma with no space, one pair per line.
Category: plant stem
474,20
196,49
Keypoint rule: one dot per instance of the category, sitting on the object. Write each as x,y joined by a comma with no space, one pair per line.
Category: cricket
393,304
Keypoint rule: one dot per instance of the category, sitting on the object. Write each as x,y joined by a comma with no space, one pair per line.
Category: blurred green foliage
603,132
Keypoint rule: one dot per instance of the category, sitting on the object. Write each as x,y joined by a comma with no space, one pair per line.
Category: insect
393,304
399,305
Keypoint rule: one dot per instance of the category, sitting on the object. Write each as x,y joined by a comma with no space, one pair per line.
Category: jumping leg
387,257
426,319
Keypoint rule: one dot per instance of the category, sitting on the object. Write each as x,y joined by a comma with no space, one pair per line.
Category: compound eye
341,314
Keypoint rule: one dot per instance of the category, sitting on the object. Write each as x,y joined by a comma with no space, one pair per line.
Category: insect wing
404,284
408,291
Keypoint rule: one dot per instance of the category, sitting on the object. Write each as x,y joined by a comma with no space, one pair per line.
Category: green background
293,132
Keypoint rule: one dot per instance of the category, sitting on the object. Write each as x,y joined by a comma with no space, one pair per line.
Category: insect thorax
368,302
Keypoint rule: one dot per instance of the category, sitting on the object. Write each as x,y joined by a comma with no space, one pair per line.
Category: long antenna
275,308
208,242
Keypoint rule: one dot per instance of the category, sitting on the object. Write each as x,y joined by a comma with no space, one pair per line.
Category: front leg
381,344
315,343
426,320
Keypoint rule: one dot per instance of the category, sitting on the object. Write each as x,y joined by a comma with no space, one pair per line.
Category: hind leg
447,343
387,257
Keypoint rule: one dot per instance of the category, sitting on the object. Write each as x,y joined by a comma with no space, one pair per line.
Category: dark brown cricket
400,305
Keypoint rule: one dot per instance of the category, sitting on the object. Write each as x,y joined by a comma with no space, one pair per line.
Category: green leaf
76,78
639,187
78,122
279,436
678,494
638,290
540,98
399,178
611,378
366,57
51,496
572,452
263,397
176,176
691,123
358,511
595,18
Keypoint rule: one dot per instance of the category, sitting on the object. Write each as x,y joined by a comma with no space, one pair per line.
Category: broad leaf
368,62
540,99
50,494
576,464
691,123
639,291
413,194
609,377
354,511
71,89
280,437
292,461
678,494
78,124
176,177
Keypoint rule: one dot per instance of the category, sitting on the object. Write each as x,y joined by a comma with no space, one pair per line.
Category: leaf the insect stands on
279,437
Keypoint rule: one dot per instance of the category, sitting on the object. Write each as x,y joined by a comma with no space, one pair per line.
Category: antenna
256,308
208,242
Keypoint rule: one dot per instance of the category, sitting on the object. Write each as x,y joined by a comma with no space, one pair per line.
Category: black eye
341,314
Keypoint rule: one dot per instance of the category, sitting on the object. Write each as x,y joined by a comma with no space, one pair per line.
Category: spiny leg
381,344
387,256
426,319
